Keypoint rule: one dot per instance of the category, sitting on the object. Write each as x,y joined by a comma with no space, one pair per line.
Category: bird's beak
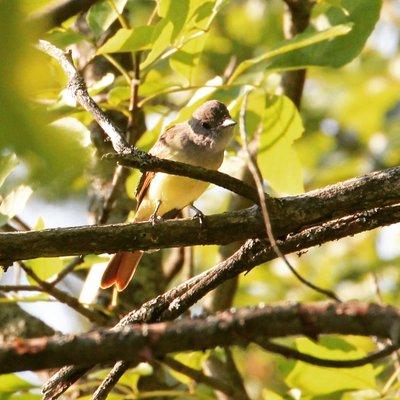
228,122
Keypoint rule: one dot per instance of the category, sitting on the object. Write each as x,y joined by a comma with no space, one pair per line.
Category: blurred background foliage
348,125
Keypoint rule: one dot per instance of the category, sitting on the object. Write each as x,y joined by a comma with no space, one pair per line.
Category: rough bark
136,342
288,214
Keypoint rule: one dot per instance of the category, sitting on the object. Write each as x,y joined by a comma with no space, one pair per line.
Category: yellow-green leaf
128,40
298,42
7,165
11,383
277,159
315,380
14,203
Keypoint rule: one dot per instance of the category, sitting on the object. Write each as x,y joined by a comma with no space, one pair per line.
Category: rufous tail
121,269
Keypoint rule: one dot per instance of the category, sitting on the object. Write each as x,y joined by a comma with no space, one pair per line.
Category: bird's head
212,119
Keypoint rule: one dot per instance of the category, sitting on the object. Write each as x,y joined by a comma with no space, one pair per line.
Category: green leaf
128,40
188,57
304,40
303,376
14,203
45,267
11,383
7,165
200,16
193,360
62,37
277,159
118,94
101,15
173,13
270,395
343,48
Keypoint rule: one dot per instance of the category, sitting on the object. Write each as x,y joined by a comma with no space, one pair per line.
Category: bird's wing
165,147
143,186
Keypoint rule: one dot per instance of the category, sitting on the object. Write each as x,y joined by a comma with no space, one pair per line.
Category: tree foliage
149,64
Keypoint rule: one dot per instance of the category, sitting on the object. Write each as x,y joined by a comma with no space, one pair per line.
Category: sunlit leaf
128,40
277,159
187,58
45,267
301,41
10,383
62,37
7,165
118,94
269,395
101,15
342,49
193,360
14,203
174,13
330,380
200,15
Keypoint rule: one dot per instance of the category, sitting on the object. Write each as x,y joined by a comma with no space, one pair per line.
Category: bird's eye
205,125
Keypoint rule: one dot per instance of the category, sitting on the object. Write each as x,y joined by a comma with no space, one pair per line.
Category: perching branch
288,214
224,329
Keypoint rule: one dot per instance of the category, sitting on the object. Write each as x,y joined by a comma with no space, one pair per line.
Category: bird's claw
155,219
198,214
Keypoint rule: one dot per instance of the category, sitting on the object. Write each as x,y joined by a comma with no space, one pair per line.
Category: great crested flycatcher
201,142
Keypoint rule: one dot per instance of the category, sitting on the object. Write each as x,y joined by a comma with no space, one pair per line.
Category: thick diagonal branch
224,329
288,214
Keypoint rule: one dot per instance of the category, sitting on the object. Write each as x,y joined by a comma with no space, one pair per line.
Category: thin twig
17,288
111,380
23,226
234,374
118,66
76,261
197,375
64,297
120,16
263,203
322,362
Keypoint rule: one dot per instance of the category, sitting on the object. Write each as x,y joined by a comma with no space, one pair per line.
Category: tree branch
224,329
15,322
289,214
323,362
199,377
296,20
177,300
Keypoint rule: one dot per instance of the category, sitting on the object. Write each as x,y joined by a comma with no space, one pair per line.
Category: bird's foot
198,214
154,218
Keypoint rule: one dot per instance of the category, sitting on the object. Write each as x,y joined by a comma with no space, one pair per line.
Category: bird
200,141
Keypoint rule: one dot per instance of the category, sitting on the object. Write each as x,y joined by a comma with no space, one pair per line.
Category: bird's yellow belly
174,192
